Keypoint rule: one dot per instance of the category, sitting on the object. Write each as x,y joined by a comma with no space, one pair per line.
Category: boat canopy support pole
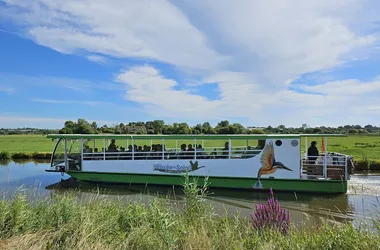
66,166
163,148
195,149
176,146
345,167
104,149
133,148
305,154
325,158
229,148
81,152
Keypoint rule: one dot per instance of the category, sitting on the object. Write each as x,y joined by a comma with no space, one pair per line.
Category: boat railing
207,153
327,166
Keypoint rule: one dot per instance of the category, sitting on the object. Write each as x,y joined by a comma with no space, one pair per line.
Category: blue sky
258,63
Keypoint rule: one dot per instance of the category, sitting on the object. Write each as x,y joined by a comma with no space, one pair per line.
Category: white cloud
80,85
147,29
251,50
14,121
97,59
159,96
90,103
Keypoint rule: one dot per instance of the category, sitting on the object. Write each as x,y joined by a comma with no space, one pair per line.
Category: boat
253,162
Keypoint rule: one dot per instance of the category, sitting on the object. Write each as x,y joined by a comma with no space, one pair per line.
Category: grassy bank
64,222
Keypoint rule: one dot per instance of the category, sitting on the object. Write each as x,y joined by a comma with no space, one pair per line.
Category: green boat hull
288,185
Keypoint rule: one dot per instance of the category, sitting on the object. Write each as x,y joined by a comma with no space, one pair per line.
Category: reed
67,221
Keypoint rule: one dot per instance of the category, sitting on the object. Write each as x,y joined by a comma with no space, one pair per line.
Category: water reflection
361,202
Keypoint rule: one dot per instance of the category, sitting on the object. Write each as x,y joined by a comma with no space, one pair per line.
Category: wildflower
271,215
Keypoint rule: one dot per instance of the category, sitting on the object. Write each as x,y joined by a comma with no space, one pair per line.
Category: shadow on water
360,203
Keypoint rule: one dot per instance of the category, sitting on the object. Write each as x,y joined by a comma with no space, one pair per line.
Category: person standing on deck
312,152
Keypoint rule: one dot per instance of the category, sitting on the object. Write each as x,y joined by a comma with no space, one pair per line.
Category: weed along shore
63,221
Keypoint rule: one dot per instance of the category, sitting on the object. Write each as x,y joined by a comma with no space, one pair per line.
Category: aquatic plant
271,215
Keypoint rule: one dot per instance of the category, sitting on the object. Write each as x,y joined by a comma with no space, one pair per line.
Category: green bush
361,165
5,155
374,166
21,155
41,156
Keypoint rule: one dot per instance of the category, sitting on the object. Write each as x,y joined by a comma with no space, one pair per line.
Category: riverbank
63,221
360,164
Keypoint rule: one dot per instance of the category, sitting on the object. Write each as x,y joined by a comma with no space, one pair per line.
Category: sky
259,63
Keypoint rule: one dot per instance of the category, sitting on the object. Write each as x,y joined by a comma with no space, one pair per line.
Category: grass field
361,147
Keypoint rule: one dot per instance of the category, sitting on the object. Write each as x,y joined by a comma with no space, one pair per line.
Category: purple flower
271,215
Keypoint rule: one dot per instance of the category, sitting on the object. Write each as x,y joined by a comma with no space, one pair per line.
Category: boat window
294,143
170,149
58,157
74,148
278,143
253,147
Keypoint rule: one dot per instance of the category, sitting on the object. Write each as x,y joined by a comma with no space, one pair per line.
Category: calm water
361,203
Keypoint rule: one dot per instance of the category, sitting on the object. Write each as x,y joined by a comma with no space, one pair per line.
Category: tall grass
66,222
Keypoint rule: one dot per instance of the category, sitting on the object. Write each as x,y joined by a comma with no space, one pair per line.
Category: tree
158,126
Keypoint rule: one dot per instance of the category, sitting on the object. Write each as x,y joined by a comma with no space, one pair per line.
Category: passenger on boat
225,150
182,153
190,150
260,144
312,152
112,147
201,152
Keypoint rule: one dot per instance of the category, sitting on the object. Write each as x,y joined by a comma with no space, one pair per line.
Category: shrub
21,156
361,165
271,216
5,155
374,166
40,156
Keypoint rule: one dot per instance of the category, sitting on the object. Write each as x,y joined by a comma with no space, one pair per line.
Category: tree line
81,126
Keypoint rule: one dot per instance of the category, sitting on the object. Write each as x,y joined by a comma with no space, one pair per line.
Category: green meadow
361,147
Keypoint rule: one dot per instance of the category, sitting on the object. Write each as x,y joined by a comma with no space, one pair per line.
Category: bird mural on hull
269,165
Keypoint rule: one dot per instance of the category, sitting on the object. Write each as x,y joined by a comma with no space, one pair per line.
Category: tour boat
256,162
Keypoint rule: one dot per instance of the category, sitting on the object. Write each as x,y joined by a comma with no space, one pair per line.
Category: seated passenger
182,153
190,150
201,152
312,152
112,147
225,150
260,144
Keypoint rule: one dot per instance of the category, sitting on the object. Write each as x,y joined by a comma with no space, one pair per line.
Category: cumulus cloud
251,51
97,59
90,103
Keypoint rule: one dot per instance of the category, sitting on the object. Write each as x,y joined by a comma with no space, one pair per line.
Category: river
360,204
